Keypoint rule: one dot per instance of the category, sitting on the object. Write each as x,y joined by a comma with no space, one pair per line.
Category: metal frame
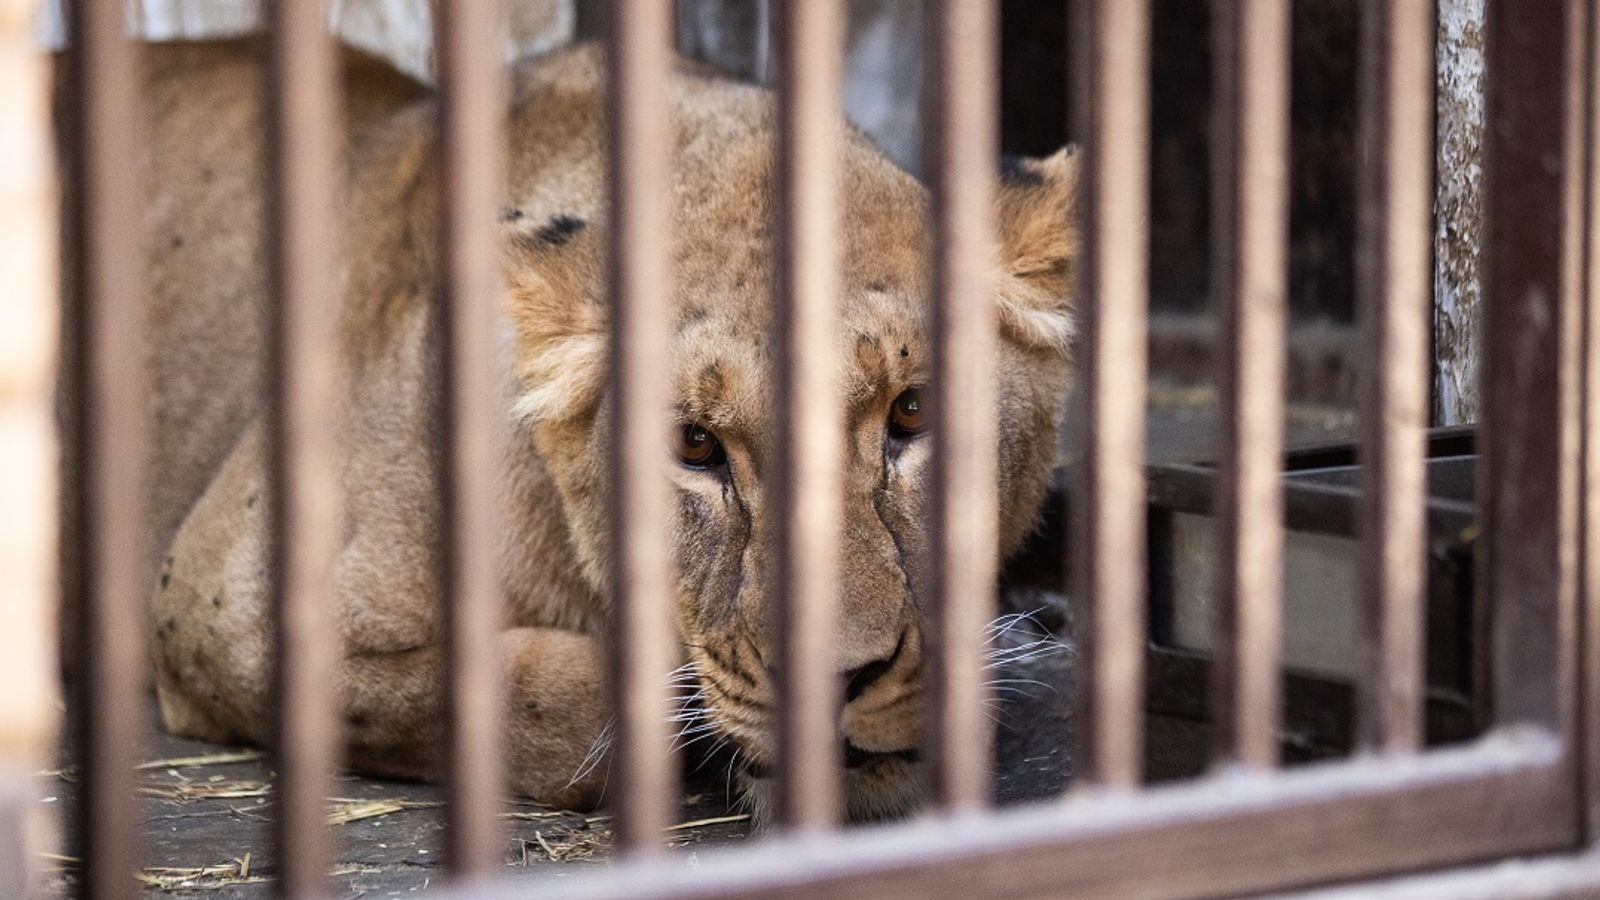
1246,827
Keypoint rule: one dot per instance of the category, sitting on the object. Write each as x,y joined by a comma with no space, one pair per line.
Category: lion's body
211,623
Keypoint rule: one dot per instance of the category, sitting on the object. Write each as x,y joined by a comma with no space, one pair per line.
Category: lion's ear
554,274
1038,249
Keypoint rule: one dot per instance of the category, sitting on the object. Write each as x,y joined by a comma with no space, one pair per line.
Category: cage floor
207,808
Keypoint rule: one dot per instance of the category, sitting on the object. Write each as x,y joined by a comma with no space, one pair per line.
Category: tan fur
210,621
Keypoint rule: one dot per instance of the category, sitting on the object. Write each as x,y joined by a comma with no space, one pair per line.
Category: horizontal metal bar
963,158
644,772
1238,834
472,112
303,446
1112,75
811,446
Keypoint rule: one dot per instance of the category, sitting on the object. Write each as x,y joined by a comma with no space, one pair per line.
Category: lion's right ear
554,274
1038,248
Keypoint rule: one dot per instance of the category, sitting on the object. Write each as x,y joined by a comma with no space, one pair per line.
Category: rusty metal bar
104,320
1589,585
1250,225
1397,96
1530,367
644,772
1112,77
303,448
472,110
962,158
811,444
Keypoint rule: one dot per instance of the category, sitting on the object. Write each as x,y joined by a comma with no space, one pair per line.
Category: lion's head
722,383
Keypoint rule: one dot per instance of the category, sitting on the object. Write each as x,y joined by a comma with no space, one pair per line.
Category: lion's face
720,458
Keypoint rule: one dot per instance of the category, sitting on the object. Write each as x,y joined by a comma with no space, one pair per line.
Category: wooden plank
1250,229
29,479
103,318
472,110
1240,834
962,158
1395,225
1113,80
811,441
1529,464
643,772
303,454
1589,584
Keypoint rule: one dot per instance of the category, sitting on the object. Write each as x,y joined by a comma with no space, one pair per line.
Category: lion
211,629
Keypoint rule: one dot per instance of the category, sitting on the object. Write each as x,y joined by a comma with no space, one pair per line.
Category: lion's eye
698,448
908,416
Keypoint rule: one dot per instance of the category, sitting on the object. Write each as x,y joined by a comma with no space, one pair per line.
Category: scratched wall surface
1458,210
397,30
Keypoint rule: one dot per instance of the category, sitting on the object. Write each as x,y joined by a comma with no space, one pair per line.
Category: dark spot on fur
177,240
217,601
877,287
710,382
560,229
166,579
211,630
904,351
1015,173
356,719
167,626
250,501
207,175
694,314
510,214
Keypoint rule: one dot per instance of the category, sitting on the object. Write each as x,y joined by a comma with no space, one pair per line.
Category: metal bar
104,318
1227,837
1397,96
1250,225
1589,585
811,445
1113,77
303,449
644,772
1530,367
962,156
473,83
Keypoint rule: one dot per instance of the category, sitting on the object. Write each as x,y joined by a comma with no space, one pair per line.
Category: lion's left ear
1038,237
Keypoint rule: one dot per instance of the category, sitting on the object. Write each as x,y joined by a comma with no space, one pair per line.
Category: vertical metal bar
473,82
811,446
1251,228
643,770
1112,76
1589,597
303,469
1397,97
963,161
105,316
1529,466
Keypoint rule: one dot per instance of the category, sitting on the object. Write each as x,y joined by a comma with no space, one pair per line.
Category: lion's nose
857,680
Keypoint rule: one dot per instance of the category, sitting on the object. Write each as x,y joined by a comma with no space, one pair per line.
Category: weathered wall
1458,210
882,60
397,30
